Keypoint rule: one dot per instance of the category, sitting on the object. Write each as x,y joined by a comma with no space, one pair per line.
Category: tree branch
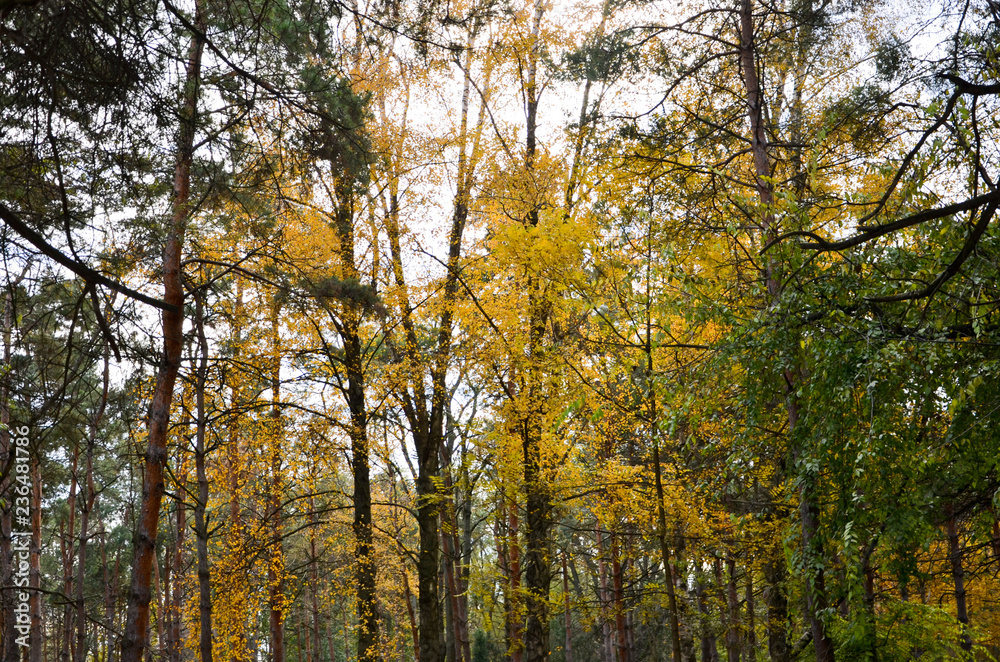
83,271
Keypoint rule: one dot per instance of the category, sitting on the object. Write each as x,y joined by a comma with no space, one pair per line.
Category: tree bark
567,614
537,484
413,618
200,520
733,603
67,650
350,333
816,599
427,425
508,553
777,609
958,577
11,652
35,560
134,635
624,653
275,569
176,607
709,650
88,497
751,638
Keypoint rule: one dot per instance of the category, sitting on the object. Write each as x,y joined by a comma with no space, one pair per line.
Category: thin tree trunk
624,654
777,609
733,603
815,590
661,518
347,633
537,486
604,598
35,571
275,569
453,560
11,652
200,521
413,620
67,651
995,541
88,497
427,425
509,554
958,576
709,650
567,617
177,602
134,636
751,639
314,576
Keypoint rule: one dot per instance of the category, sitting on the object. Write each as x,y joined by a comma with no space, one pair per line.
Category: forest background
475,330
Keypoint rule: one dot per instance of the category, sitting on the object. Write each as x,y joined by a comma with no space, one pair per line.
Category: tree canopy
510,331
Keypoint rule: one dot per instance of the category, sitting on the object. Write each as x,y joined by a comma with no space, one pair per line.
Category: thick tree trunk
134,635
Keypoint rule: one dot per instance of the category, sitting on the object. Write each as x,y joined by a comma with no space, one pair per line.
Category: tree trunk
815,590
537,484
66,652
509,556
751,639
958,576
353,364
777,609
134,635
604,599
35,560
88,497
200,521
413,619
624,653
11,652
567,617
427,426
275,569
177,605
709,650
733,603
